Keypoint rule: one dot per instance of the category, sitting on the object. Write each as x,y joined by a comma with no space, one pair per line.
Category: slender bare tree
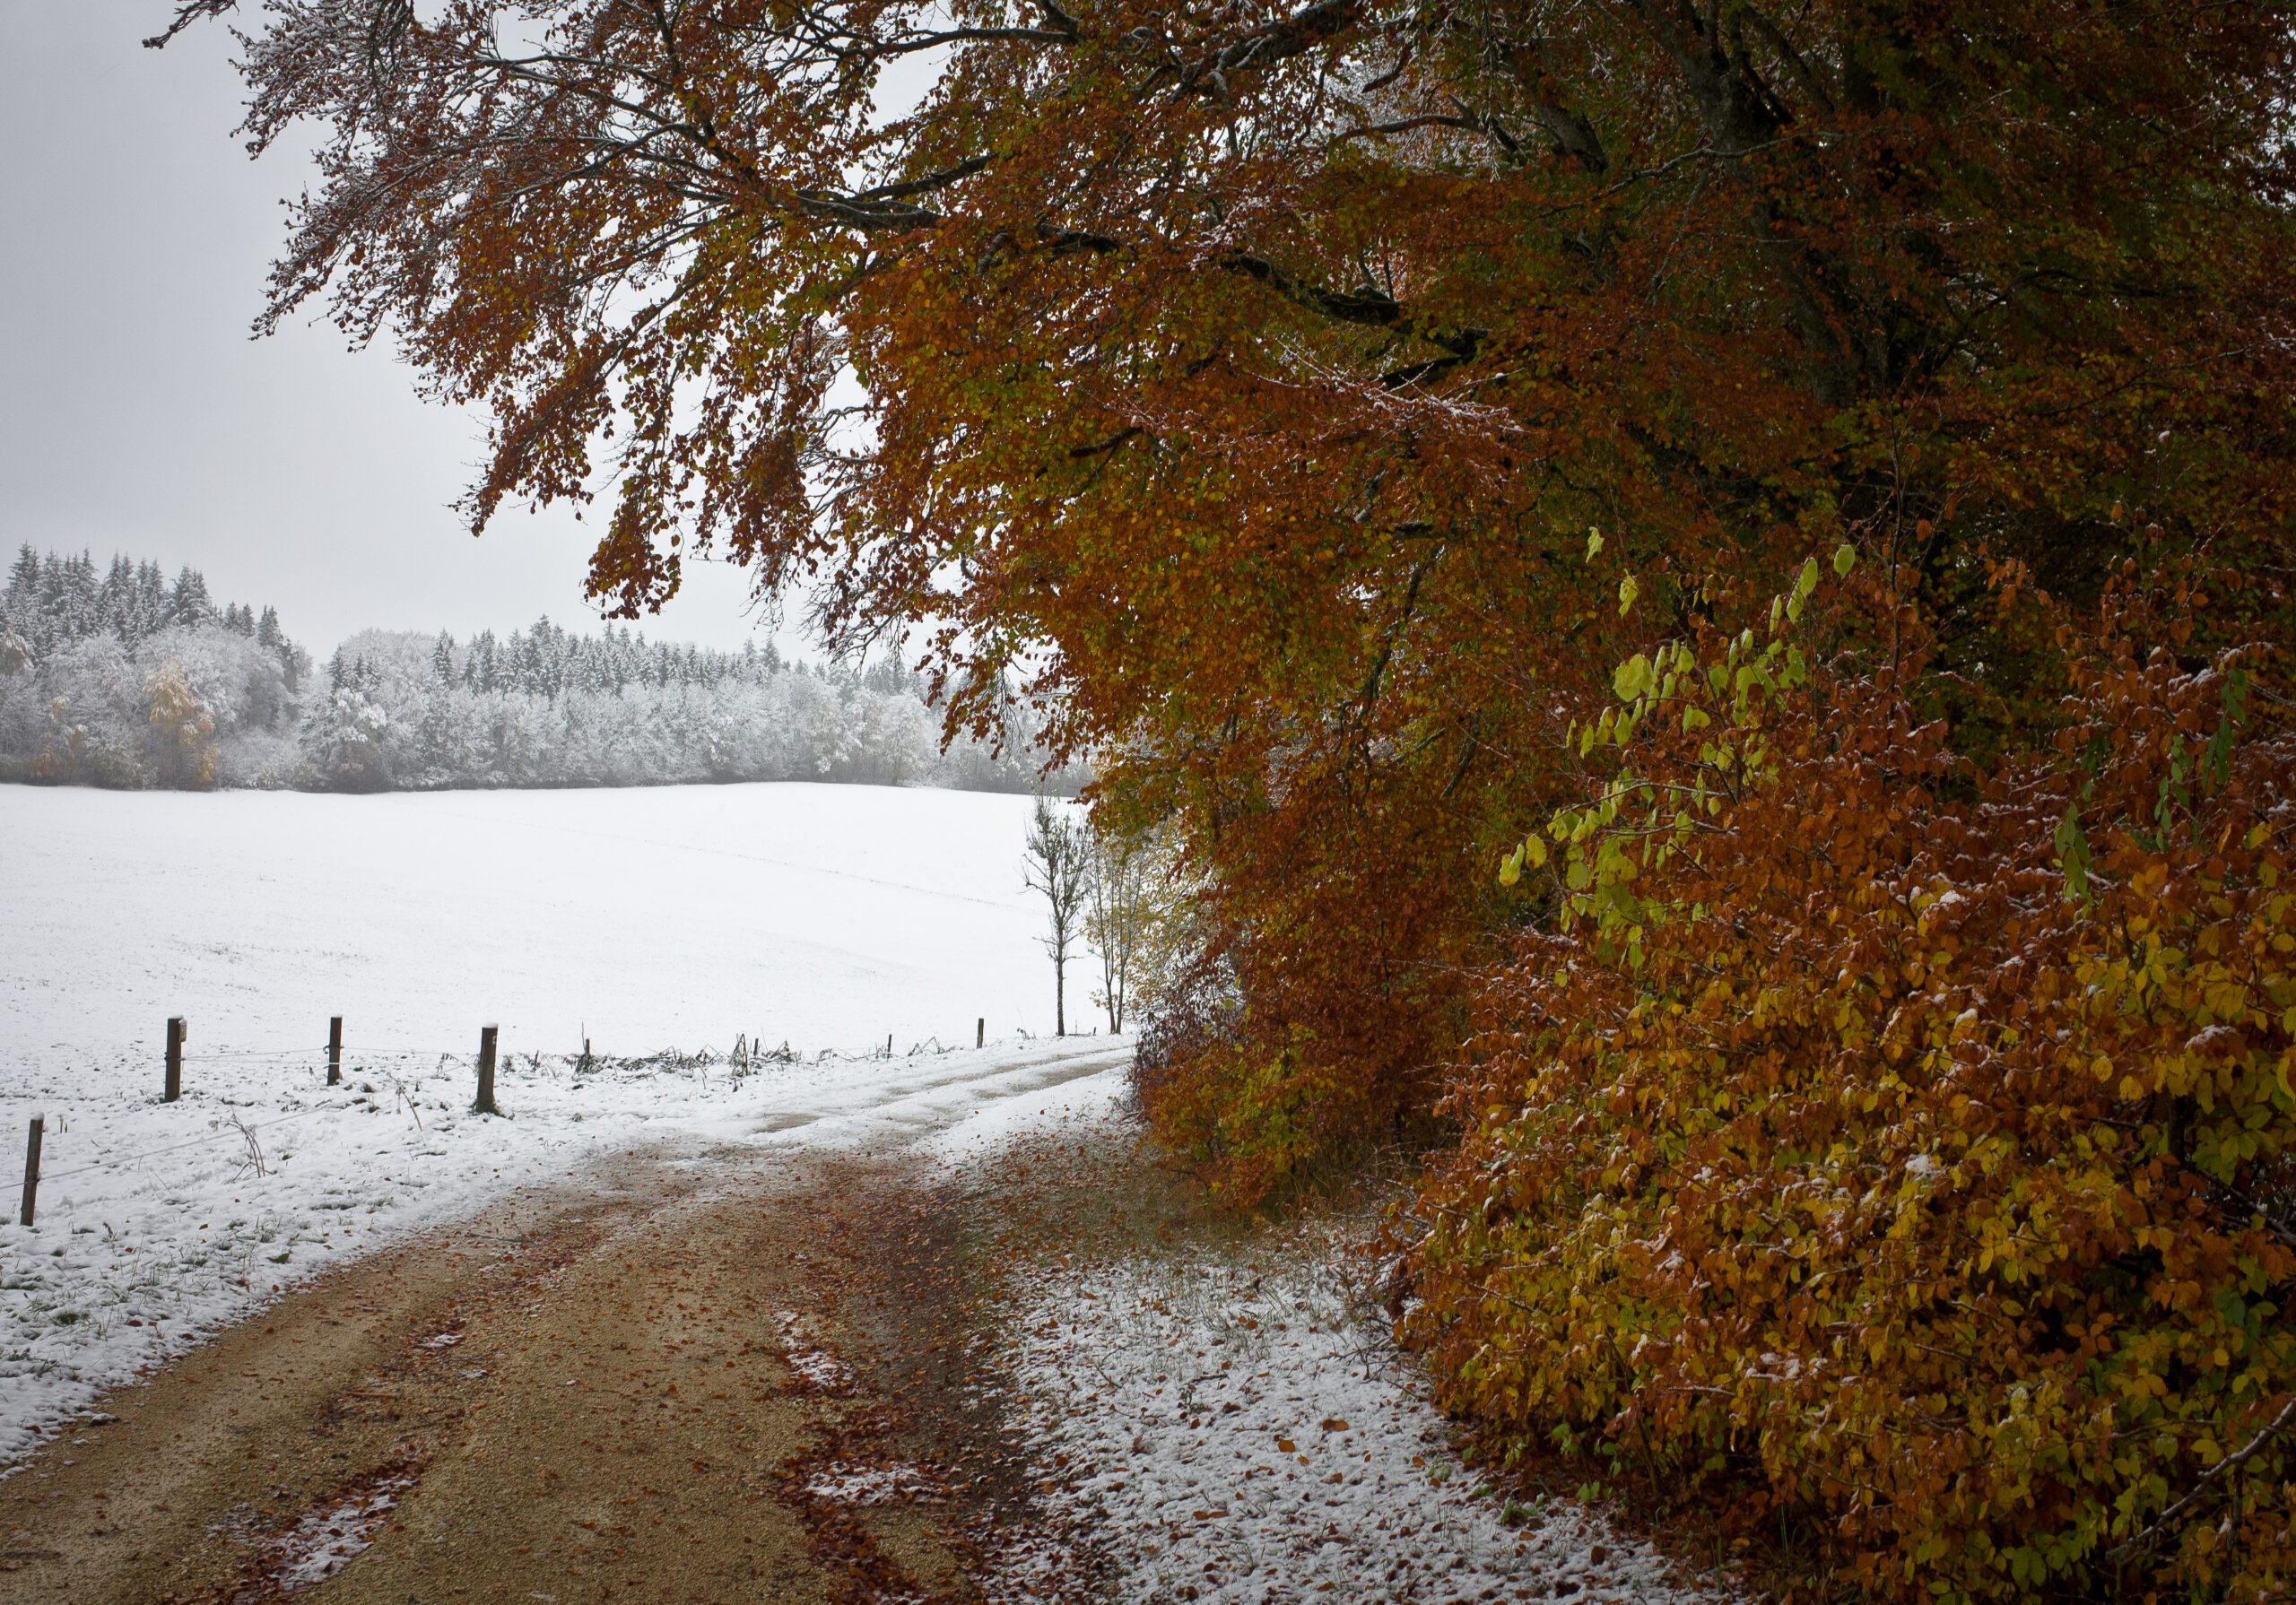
1117,913
1058,861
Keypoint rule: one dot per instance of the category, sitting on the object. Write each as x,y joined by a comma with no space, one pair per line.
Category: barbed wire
251,1053
112,1161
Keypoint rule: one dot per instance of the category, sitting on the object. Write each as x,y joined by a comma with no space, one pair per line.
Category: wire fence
747,1056
743,1054
112,1161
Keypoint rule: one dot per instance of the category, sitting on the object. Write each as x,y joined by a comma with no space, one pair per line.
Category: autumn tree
181,739
1312,407
1894,1146
1241,382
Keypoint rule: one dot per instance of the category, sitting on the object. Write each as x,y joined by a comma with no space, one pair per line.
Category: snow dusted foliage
126,679
123,677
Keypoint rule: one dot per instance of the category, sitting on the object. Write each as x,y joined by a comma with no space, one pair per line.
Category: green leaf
1632,678
2217,761
1594,541
1845,558
1627,591
2072,853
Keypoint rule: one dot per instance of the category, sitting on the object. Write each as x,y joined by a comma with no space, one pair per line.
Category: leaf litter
1207,1412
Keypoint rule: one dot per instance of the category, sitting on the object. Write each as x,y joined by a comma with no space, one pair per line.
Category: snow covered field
156,1225
826,915
823,916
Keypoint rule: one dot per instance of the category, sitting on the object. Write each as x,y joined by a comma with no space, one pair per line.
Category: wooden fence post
334,1051
173,1090
31,1168
980,1032
485,1104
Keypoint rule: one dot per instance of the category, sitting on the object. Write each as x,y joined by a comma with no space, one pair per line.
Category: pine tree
24,578
71,598
187,602
116,602
148,605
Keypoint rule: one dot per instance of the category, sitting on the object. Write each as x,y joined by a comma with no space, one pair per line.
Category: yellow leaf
1632,678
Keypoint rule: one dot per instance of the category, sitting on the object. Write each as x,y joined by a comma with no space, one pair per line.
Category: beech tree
1316,406
1244,378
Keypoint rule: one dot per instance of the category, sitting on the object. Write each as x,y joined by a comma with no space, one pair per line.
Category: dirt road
682,1376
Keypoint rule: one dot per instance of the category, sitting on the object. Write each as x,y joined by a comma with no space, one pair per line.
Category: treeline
546,706
120,677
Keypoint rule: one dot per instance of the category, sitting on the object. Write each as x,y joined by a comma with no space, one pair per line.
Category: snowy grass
1226,1429
1220,1422
156,1224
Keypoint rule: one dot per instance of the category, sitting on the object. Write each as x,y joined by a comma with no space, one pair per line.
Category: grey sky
136,414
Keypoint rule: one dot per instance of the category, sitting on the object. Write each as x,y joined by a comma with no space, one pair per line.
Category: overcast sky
137,415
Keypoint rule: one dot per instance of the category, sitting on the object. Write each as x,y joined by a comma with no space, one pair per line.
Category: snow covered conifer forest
121,677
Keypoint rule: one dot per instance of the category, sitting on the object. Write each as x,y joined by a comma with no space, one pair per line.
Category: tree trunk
1059,999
